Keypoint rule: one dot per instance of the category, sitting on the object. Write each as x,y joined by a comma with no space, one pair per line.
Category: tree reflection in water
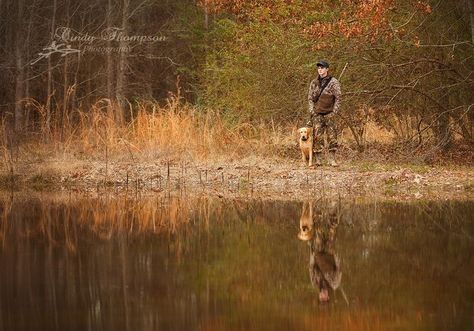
181,263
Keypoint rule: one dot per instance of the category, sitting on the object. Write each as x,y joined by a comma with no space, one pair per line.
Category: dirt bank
272,178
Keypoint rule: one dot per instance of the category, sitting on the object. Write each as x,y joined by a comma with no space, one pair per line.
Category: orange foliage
424,7
368,19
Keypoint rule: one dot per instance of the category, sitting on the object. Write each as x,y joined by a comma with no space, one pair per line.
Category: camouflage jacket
332,89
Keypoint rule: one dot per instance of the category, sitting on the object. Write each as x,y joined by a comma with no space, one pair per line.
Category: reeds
174,130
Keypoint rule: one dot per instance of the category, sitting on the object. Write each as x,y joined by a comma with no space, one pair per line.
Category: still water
171,263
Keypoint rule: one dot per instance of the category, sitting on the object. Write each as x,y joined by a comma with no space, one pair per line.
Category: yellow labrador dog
306,144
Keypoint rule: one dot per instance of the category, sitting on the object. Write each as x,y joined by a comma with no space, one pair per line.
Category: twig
343,70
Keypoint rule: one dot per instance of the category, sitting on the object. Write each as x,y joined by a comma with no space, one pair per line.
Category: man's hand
310,121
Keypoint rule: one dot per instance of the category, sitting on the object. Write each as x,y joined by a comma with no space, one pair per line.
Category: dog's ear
310,131
305,208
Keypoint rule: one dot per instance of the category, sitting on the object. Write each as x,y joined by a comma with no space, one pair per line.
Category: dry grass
176,130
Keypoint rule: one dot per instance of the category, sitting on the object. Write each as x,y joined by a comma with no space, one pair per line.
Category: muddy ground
246,178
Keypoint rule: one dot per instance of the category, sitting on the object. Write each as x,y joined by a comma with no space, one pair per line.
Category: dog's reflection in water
318,229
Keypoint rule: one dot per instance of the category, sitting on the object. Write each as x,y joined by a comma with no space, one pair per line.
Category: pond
198,263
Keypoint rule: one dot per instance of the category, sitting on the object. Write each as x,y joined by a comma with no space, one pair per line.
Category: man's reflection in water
319,230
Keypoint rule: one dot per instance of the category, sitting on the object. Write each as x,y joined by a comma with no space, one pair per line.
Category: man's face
323,295
323,72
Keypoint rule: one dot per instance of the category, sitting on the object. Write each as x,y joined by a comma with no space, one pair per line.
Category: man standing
324,100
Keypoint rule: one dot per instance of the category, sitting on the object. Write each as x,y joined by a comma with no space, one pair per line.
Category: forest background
222,77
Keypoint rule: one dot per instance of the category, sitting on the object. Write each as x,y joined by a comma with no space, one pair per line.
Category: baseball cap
323,63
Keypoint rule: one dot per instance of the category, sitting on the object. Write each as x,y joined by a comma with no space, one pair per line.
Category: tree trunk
65,110
49,90
444,134
110,61
471,12
19,81
122,66
28,69
73,97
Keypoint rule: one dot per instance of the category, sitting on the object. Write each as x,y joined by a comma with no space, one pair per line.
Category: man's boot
332,159
318,161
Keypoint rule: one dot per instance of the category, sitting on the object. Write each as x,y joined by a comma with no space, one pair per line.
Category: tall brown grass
176,129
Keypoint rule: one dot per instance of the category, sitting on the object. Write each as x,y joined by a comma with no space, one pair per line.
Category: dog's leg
303,157
311,156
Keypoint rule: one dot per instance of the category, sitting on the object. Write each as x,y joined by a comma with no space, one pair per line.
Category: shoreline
272,179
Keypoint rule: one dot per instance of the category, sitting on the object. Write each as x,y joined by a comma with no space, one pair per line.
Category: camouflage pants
325,127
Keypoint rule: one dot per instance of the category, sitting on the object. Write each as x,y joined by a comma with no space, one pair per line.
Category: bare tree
110,60
57,83
471,15
49,92
28,67
122,65
65,105
20,71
